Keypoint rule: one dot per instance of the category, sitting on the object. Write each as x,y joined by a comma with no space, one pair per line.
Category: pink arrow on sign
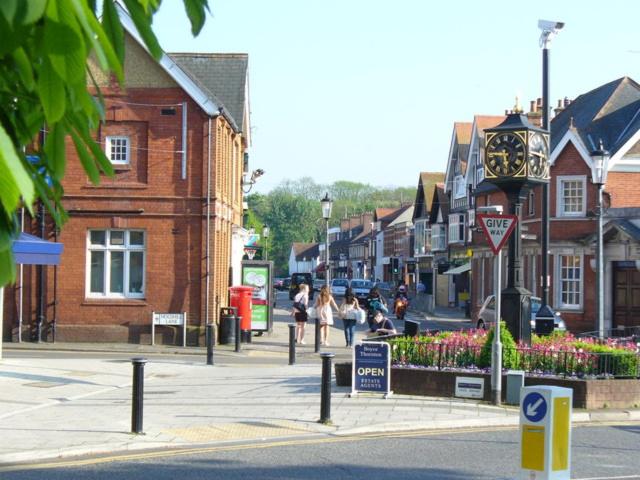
497,228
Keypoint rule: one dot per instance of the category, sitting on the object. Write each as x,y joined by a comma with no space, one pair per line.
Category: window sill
113,186
121,168
120,302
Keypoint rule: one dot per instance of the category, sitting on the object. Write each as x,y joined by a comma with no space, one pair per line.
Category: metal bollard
209,338
237,333
138,394
317,339
325,392
292,344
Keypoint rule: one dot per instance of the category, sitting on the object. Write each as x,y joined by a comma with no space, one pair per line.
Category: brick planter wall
590,394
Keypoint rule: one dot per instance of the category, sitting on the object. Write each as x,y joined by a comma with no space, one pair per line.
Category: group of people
325,305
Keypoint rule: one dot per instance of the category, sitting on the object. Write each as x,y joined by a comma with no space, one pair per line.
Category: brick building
610,113
165,233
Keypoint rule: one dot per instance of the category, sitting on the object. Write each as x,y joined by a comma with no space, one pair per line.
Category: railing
532,360
630,333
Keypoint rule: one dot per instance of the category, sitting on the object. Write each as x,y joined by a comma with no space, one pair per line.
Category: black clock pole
516,300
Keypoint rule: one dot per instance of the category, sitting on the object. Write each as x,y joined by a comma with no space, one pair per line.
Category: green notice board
257,273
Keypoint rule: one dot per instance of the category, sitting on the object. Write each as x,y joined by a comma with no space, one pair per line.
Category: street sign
534,407
545,432
371,368
497,228
169,319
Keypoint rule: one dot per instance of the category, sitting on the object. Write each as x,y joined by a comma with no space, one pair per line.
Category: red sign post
497,228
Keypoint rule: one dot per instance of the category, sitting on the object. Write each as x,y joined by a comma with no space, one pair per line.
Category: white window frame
459,187
420,244
127,248
438,237
560,197
108,142
559,281
456,227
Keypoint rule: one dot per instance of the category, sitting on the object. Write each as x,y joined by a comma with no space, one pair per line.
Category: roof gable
305,250
224,75
424,193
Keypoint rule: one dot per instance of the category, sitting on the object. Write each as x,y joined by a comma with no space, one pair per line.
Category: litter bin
227,330
241,299
467,308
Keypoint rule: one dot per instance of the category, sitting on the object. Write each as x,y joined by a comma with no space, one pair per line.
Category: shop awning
458,270
32,250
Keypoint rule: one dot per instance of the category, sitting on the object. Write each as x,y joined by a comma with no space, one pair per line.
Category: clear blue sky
368,90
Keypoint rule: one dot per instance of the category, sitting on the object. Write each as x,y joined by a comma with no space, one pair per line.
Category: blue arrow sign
534,407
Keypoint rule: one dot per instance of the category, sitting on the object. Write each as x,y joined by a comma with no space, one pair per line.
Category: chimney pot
532,107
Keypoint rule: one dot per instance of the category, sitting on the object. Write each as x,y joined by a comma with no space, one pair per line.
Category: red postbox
241,299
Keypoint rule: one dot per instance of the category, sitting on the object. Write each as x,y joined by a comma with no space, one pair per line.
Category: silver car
487,314
339,287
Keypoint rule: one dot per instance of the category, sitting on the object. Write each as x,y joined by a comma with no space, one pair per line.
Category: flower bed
560,354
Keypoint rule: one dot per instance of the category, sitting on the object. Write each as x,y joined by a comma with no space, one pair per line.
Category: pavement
66,400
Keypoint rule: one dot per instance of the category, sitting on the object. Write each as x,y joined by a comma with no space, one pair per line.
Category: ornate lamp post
600,158
516,158
327,204
265,234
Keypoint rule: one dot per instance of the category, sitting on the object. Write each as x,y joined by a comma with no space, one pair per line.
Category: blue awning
32,250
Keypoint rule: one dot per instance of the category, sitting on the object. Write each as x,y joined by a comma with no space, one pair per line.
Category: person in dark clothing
382,325
374,302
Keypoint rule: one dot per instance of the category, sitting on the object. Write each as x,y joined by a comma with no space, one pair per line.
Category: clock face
538,155
505,154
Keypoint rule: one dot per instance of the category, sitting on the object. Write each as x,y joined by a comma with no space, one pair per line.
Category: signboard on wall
257,274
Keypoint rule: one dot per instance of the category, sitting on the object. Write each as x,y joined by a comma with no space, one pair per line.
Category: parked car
361,289
318,283
286,283
278,283
298,279
487,314
339,287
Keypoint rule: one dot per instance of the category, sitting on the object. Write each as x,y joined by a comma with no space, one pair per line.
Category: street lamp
326,203
545,314
265,235
600,158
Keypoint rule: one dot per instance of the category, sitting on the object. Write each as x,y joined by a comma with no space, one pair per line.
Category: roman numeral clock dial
506,153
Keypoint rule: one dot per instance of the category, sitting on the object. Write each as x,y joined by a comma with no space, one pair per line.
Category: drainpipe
40,316
208,273
184,140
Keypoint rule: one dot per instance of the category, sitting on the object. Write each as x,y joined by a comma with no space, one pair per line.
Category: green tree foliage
509,352
44,47
292,210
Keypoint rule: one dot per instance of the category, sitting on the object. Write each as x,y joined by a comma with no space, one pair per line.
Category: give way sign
497,228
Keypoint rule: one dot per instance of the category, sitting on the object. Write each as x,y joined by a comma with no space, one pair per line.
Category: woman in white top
301,300
348,311
324,305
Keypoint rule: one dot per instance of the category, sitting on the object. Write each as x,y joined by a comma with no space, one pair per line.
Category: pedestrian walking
348,309
374,302
324,305
300,304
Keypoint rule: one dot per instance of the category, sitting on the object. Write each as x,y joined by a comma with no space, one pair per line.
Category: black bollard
138,394
325,392
292,344
209,338
237,333
317,339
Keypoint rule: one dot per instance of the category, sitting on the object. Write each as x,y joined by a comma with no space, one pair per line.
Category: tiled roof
223,74
610,112
424,193
305,250
463,132
487,121
404,217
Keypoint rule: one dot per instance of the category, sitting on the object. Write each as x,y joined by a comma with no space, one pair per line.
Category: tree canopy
45,96
292,210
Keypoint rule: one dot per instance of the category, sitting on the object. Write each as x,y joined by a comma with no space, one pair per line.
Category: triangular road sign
497,228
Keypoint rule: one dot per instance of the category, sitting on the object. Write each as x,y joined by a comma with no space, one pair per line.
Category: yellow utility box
545,432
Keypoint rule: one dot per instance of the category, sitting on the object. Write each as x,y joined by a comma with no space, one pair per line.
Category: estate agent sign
371,368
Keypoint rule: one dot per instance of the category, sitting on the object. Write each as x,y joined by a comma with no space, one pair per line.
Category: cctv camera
550,26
